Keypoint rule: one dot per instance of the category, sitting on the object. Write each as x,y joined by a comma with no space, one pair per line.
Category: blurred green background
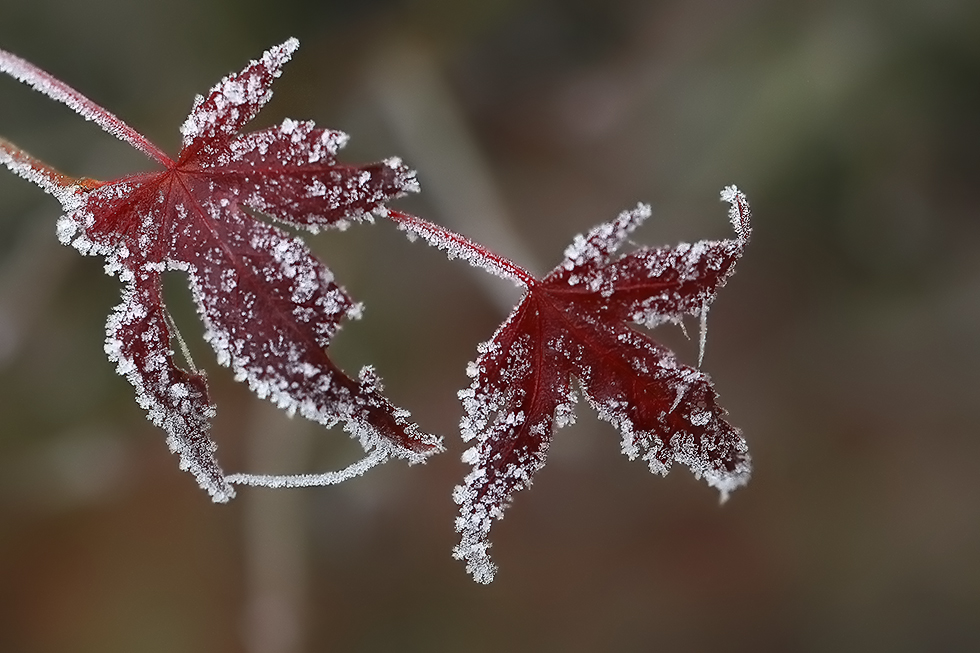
847,346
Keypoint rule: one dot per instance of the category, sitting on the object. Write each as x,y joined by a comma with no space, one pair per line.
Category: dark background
847,346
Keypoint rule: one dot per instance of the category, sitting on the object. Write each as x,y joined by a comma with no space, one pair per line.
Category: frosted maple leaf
270,308
572,334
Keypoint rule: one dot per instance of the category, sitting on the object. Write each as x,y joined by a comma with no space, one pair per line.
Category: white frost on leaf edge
605,238
179,433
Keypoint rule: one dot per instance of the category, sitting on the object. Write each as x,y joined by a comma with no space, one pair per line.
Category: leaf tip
739,214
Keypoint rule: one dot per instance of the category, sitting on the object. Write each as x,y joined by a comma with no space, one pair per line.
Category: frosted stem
460,246
184,349
373,459
35,170
704,332
43,82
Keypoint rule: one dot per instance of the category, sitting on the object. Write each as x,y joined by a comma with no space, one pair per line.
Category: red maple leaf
270,308
575,323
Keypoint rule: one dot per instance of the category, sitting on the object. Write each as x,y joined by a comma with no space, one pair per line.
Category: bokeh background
847,346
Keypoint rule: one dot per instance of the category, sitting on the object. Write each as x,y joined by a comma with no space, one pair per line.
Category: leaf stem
461,246
33,169
373,459
54,88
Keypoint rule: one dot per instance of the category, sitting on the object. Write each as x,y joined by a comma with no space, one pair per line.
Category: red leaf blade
291,173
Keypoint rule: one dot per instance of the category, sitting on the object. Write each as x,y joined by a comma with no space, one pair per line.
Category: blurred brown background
847,347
